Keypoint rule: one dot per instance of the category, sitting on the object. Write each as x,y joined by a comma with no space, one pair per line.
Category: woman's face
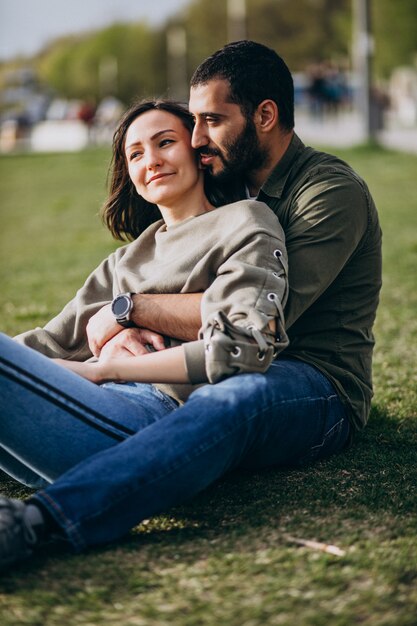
161,162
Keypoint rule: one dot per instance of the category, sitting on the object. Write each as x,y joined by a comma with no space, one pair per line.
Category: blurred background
68,70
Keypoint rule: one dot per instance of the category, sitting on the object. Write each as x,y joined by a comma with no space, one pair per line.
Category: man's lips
157,177
206,159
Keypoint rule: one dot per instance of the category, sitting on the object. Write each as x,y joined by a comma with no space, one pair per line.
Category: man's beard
239,157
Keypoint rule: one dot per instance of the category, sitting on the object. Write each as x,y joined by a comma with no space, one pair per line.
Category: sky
27,25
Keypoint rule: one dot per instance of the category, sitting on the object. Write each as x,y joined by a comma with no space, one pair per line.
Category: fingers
152,338
100,329
126,343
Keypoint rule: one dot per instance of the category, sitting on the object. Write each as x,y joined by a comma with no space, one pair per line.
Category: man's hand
131,342
101,328
175,315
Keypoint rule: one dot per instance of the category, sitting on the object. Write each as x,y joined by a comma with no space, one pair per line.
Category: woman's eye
134,155
165,142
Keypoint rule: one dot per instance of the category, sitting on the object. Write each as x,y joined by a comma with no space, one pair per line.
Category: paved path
345,130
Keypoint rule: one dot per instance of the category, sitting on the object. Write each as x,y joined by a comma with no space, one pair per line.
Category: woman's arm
64,335
167,366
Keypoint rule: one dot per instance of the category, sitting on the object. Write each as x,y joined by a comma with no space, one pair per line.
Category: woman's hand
101,327
90,371
107,339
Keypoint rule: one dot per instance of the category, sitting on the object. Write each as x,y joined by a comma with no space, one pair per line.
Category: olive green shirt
333,241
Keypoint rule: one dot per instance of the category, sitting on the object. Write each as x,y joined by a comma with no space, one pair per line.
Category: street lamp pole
177,62
363,53
236,20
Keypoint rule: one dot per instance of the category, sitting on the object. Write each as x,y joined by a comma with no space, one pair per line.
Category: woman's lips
158,176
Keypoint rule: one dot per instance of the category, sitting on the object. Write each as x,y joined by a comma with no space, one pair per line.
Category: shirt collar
274,184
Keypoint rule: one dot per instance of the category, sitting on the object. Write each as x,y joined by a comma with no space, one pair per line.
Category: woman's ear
266,116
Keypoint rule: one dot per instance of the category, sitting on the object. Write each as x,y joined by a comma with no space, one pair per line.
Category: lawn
226,557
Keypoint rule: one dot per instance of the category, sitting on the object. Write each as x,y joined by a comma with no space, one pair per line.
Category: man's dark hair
254,73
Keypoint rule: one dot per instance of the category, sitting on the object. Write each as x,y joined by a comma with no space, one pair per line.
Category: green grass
224,558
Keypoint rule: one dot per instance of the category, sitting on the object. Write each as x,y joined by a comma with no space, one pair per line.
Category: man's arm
173,315
330,218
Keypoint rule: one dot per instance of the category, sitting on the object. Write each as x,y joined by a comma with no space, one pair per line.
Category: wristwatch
121,307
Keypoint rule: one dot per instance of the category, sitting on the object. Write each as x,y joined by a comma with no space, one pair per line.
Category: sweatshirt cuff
195,361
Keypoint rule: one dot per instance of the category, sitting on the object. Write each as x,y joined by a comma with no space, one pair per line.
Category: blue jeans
107,457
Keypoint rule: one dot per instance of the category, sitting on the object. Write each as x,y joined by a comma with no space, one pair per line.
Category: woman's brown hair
125,213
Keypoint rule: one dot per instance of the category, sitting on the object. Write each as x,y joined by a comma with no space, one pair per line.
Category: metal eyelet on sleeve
277,253
236,352
260,356
272,297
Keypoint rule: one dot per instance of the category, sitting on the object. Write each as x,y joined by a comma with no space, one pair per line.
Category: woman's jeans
107,457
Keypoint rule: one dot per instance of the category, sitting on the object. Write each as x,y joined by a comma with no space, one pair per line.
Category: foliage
224,557
128,60
124,60
302,31
395,27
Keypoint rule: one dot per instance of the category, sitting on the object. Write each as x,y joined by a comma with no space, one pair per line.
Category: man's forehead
210,96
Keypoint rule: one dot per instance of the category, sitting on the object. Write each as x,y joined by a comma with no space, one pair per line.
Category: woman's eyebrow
161,132
155,136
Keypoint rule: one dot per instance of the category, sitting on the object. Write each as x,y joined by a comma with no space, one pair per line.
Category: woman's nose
153,159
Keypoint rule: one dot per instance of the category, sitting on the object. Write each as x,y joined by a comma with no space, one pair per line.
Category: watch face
121,306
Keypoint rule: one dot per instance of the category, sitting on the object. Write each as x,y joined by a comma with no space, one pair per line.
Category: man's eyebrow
209,114
155,136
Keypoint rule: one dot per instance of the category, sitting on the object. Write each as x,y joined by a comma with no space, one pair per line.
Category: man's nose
199,137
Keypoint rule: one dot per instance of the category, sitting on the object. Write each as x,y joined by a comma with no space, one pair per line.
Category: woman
234,254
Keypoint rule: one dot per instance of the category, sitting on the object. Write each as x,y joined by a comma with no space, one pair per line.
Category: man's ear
266,116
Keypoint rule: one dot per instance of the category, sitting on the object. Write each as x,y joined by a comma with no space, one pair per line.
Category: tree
124,60
300,31
395,29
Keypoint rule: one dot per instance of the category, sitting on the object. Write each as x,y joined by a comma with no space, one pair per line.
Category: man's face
225,139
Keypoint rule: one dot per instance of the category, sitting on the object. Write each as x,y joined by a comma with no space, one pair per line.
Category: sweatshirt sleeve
65,335
249,291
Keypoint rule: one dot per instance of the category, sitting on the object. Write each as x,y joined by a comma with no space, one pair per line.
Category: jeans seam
62,400
328,434
62,520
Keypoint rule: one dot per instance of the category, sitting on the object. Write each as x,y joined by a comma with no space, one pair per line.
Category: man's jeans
117,454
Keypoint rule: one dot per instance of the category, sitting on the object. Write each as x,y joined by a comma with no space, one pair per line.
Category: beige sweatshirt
234,254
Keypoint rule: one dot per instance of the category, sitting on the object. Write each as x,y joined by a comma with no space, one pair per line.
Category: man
314,396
